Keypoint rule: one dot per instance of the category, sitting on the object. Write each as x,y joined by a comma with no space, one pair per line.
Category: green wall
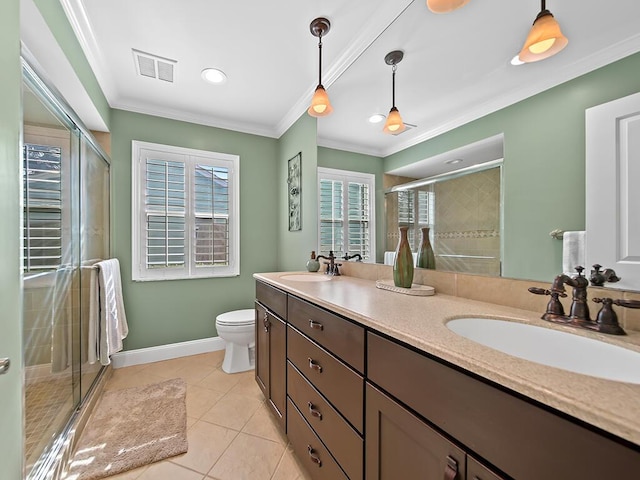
56,19
356,162
544,163
11,413
165,312
294,248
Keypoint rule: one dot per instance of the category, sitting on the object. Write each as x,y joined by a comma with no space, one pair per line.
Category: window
185,213
346,213
416,210
46,208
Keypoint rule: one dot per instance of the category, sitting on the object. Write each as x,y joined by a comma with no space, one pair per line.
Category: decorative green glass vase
403,263
426,258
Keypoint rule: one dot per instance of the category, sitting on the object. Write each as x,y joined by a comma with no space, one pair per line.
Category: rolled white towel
573,251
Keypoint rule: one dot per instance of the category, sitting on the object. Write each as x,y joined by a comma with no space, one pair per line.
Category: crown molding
77,16
349,147
209,121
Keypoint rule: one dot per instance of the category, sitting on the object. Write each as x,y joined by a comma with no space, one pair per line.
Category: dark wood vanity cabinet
359,405
271,348
518,437
325,388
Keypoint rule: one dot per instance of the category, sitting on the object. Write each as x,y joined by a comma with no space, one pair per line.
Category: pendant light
394,124
445,6
320,104
545,38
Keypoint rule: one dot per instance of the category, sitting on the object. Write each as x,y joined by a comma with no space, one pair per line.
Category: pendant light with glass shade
445,6
545,38
394,124
320,104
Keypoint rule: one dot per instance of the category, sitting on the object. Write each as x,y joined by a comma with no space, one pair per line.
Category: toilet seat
237,318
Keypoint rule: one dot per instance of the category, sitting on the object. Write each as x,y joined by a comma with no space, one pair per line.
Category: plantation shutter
406,214
211,216
345,211
358,202
165,208
42,212
331,217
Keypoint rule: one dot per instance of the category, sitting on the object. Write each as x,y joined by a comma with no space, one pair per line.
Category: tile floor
231,433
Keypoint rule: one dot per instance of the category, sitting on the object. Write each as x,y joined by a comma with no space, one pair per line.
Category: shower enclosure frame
54,458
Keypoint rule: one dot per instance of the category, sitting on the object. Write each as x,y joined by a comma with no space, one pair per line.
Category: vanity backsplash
497,290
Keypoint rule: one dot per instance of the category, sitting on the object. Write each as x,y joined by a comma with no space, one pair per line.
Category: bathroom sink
306,277
552,347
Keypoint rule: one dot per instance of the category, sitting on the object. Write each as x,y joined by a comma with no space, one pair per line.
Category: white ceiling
455,69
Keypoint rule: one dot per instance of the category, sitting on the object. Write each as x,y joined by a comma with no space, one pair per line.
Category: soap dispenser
313,265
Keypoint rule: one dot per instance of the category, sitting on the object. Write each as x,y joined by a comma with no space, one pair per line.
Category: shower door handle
4,365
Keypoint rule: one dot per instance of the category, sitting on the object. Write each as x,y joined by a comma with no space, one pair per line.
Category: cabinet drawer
520,438
343,387
343,442
312,453
341,337
272,298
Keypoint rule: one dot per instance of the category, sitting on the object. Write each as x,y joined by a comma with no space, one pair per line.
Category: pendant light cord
393,86
320,59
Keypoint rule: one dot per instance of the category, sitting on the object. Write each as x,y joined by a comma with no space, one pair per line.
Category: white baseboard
166,352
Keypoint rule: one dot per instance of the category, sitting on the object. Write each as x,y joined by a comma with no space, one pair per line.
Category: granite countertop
420,321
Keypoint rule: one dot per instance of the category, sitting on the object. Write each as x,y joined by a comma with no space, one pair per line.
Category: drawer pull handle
451,470
315,325
265,322
314,456
314,411
313,365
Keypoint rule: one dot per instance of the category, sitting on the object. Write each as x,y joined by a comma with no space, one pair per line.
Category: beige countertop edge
611,406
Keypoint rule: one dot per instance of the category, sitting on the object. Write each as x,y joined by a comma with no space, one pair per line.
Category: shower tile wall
468,223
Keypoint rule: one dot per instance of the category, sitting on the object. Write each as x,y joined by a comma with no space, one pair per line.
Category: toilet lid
237,317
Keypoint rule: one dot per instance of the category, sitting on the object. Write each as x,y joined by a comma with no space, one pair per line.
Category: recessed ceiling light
516,61
454,161
377,118
213,75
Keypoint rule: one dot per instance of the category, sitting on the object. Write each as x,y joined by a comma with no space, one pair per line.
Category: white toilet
237,329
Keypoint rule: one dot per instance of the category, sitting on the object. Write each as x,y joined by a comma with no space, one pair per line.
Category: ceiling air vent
152,66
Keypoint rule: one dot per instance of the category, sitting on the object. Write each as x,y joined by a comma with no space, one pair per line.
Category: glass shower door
94,246
51,273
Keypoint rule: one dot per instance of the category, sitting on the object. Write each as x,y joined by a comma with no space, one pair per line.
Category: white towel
113,326
390,258
93,337
573,251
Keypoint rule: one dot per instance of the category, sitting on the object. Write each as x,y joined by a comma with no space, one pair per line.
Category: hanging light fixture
394,124
545,38
445,6
320,104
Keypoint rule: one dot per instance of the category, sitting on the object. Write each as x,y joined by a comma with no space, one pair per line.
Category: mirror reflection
462,212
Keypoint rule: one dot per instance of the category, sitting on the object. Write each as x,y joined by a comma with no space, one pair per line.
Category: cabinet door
400,445
262,349
278,367
477,471
271,360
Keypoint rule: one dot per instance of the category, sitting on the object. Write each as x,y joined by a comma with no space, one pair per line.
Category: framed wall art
294,178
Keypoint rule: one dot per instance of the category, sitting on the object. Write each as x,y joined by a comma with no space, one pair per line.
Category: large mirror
537,110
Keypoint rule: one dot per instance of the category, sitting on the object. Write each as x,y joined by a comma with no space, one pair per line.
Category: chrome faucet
606,320
332,266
